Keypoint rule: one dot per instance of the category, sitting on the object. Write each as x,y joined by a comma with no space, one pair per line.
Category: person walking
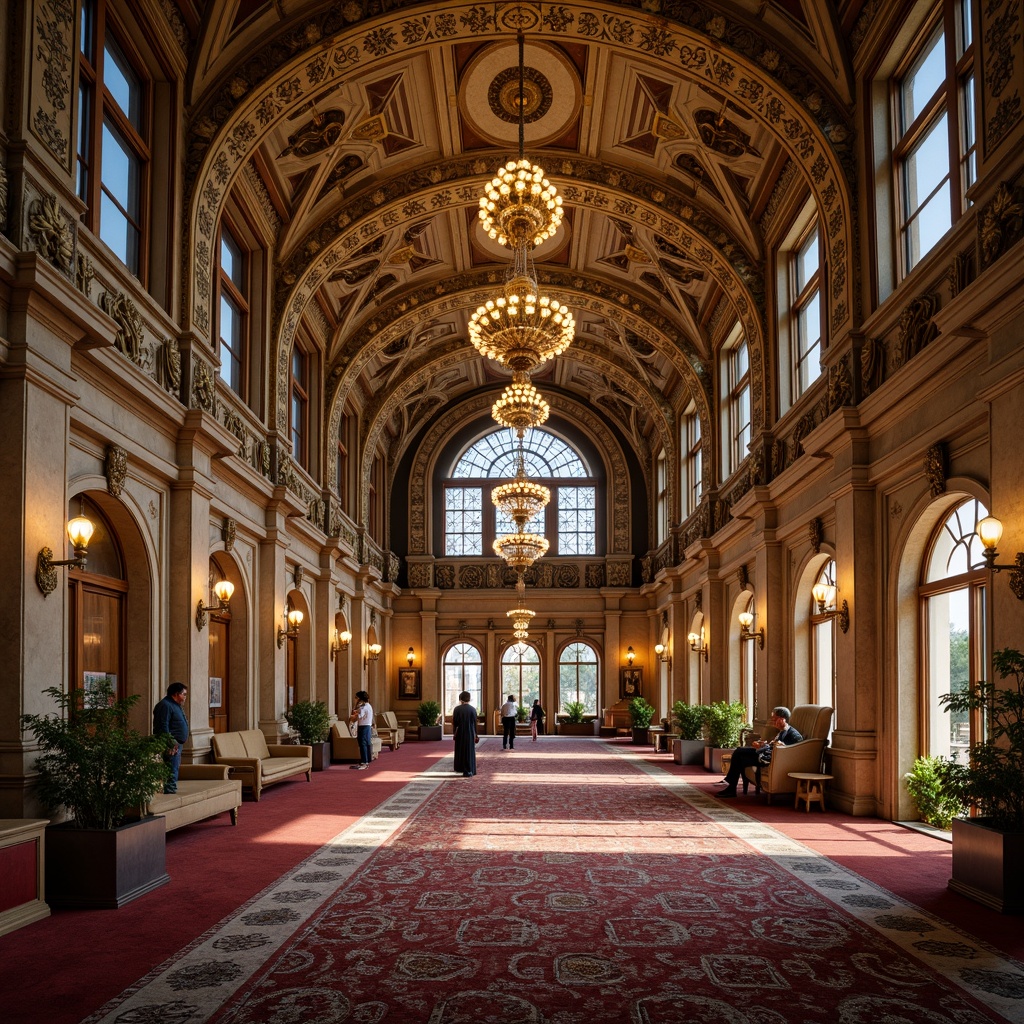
536,720
508,723
362,715
169,719
465,735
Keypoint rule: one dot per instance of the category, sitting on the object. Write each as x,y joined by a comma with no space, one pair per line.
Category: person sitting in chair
760,751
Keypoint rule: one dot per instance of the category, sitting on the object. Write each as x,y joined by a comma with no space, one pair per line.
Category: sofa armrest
247,764
289,750
198,772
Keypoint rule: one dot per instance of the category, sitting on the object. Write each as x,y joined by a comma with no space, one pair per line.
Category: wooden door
219,688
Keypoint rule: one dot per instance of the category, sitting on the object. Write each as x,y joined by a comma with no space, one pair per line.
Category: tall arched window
96,606
953,597
823,641
520,673
577,676
747,670
463,670
471,523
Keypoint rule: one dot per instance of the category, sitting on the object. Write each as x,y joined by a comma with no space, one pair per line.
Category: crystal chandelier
521,616
520,500
520,406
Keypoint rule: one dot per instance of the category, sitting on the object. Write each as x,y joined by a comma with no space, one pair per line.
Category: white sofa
256,763
203,791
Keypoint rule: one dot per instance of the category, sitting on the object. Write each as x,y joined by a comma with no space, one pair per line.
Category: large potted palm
101,774
688,721
312,721
988,849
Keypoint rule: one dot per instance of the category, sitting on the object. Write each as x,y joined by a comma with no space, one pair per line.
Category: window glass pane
923,79
931,223
230,344
741,362
956,546
463,521
495,456
577,520
824,670
577,677
970,138
462,671
927,165
966,28
81,167
807,261
520,674
120,171
948,669
118,233
123,83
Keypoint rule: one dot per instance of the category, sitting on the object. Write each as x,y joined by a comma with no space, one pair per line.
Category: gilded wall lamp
410,657
630,655
990,532
342,638
699,644
662,652
222,589
824,595
80,530
372,653
746,633
293,620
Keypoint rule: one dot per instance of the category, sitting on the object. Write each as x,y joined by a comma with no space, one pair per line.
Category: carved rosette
116,468
420,574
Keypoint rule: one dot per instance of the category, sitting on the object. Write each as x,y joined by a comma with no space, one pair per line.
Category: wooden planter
986,865
640,737
431,732
102,869
713,758
575,728
321,756
688,751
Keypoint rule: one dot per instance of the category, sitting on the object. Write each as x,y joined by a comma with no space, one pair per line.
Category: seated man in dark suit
747,757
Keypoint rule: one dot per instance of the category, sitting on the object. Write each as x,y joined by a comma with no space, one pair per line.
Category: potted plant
989,849
429,714
723,722
312,721
573,720
640,715
102,774
688,721
936,805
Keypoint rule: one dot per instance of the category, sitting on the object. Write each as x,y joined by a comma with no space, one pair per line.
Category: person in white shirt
362,715
508,723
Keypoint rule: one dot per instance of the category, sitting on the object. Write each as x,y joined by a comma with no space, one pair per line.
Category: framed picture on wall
409,684
216,692
630,682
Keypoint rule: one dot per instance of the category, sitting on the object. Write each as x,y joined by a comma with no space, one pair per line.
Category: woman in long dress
464,725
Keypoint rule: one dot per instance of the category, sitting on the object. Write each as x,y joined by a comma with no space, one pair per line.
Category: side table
810,787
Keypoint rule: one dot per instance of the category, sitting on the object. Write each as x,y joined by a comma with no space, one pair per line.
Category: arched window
823,641
96,607
577,676
471,523
747,669
463,670
520,673
953,599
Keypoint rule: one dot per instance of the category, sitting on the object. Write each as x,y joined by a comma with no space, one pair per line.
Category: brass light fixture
293,620
824,595
80,530
372,652
746,633
699,644
410,657
521,616
662,653
340,641
222,589
630,655
520,406
990,532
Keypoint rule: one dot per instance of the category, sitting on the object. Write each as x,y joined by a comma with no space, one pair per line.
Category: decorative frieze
50,70
204,393
123,311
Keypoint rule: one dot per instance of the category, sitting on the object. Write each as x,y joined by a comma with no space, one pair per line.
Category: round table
810,787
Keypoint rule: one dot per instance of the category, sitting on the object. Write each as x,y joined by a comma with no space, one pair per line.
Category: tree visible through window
520,673
463,670
577,676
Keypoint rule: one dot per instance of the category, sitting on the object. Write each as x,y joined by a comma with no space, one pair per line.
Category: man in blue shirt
169,719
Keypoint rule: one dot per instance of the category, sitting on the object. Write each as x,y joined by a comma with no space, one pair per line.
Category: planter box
575,728
688,751
431,732
95,868
640,737
713,758
986,865
321,756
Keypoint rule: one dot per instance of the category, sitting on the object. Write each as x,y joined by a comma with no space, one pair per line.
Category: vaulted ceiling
360,135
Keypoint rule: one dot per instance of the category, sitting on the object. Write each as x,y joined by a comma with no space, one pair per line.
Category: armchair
388,729
812,721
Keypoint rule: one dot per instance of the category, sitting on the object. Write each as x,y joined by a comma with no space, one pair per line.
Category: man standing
747,757
362,716
169,719
508,723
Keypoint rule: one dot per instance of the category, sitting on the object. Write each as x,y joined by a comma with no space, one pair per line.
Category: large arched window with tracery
463,670
471,523
520,673
953,597
577,676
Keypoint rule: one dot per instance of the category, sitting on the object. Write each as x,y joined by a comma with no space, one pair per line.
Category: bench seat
203,791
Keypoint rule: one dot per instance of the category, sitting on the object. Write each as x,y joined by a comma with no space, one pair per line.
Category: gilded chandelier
520,406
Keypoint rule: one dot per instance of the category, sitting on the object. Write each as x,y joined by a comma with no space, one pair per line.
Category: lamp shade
224,589
990,531
80,530
295,617
746,619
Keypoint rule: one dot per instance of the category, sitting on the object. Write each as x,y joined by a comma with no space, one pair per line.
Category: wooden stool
726,763
810,787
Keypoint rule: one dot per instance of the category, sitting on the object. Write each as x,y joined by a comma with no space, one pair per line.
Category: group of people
467,737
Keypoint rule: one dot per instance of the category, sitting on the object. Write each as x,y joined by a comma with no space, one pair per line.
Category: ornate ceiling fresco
361,135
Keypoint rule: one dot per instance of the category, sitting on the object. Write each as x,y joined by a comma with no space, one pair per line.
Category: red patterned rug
572,883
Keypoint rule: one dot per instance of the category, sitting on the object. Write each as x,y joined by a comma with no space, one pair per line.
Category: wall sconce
222,590
372,653
630,655
340,642
410,657
990,532
746,621
294,620
662,652
824,595
80,530
698,643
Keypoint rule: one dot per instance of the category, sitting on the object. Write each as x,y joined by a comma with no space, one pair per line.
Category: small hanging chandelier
521,616
520,406
520,550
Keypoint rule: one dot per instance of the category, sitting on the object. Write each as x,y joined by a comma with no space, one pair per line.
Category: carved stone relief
116,468
3,198
84,274
52,234
1002,222
228,533
203,392
50,69
935,468
124,313
1001,85
814,534
916,327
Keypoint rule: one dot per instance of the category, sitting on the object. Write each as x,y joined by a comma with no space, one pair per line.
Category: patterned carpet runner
572,883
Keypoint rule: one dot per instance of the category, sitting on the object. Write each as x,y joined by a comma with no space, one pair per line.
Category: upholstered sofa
203,791
812,721
256,763
389,731
345,747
